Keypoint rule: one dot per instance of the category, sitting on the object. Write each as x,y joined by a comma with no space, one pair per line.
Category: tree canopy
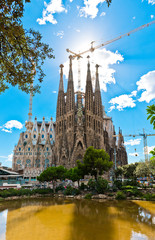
52,174
151,114
20,50
142,170
75,174
96,161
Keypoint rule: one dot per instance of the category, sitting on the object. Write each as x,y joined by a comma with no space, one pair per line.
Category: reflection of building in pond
80,220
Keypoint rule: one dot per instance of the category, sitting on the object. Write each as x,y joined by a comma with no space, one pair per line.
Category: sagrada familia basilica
80,122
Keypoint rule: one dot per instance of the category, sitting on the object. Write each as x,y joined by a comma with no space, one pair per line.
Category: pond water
47,219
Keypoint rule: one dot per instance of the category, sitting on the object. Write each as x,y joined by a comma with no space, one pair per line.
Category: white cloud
10,157
133,93
122,101
60,34
54,91
6,130
147,83
8,126
102,14
7,158
150,148
151,2
91,8
152,16
135,154
106,73
134,18
133,142
54,6
71,0
77,30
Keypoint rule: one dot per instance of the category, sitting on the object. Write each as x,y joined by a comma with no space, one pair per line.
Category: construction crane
93,48
144,135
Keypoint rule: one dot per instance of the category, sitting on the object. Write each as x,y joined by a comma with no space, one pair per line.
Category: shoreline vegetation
125,193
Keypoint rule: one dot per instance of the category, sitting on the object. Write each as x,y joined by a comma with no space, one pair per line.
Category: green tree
153,153
52,174
118,172
152,166
129,170
142,170
96,161
152,162
75,174
151,114
20,49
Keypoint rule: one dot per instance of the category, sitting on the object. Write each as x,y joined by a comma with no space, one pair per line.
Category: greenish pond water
47,219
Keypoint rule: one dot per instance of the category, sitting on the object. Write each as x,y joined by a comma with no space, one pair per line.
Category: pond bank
106,196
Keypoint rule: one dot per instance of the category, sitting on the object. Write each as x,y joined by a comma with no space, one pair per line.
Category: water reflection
77,220
3,221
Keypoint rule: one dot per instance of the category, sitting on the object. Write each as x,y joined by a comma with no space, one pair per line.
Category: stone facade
35,149
83,123
79,124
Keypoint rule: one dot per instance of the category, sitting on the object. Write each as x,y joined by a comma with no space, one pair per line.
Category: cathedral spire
70,77
88,71
97,84
70,101
61,99
89,90
98,110
61,85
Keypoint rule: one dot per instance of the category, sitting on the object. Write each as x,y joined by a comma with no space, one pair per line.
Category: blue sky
127,72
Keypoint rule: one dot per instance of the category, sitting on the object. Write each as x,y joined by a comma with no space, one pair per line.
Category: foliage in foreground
71,191
120,196
99,186
88,196
149,197
151,114
24,192
96,162
52,174
20,50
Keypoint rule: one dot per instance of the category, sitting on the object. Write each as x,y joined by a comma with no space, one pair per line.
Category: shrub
24,192
153,196
120,196
131,191
118,184
131,182
149,196
60,188
75,191
43,191
92,184
71,191
88,196
110,194
101,185
83,186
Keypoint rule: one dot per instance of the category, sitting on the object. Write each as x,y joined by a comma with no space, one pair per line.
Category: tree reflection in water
57,219
111,220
